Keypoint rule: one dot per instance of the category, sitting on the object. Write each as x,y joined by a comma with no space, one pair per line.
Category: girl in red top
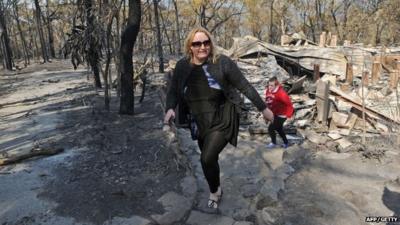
279,103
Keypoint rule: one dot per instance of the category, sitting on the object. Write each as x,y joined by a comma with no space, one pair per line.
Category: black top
209,107
199,96
225,72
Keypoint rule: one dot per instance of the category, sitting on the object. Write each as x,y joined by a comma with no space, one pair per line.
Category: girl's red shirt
278,101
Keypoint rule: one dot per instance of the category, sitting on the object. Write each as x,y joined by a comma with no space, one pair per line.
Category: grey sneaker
271,145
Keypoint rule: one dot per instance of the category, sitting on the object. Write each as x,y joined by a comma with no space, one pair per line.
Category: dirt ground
116,164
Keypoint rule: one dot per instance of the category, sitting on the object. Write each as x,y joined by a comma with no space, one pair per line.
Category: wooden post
345,87
285,39
322,96
349,73
364,74
376,72
333,41
393,79
328,38
316,72
322,39
365,78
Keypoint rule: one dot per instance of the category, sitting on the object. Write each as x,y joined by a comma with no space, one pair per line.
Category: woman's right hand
169,115
267,114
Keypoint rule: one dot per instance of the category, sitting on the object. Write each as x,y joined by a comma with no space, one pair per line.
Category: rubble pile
330,110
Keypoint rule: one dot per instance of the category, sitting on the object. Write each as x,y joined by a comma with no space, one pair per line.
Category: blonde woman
204,85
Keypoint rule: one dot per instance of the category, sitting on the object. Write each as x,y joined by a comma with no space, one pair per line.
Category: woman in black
205,84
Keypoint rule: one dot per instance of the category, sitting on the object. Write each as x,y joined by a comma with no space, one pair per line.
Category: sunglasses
198,44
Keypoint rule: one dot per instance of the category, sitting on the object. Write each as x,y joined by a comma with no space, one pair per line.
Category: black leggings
210,147
277,125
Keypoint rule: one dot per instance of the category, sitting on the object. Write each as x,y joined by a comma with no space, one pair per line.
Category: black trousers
210,146
277,125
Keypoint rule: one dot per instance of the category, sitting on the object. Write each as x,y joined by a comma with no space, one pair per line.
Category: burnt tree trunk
5,40
23,40
159,47
50,31
93,52
271,22
128,39
178,32
40,31
171,50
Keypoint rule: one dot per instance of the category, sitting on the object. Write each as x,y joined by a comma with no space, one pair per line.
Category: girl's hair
189,39
274,79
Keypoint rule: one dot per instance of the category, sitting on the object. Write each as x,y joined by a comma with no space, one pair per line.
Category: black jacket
224,71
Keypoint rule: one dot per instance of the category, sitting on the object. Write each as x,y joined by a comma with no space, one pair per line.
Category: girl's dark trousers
277,125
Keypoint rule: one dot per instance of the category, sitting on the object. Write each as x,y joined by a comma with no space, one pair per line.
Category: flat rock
273,158
175,206
243,223
199,218
189,186
250,190
136,220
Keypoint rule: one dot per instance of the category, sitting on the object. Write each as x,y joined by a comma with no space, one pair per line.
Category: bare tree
177,27
159,40
212,14
49,19
5,41
93,54
21,34
38,16
128,39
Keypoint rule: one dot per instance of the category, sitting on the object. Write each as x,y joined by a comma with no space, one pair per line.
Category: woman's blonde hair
189,39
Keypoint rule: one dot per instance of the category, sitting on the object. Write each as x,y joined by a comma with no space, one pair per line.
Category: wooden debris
13,156
329,78
351,121
301,123
314,137
343,143
356,103
339,119
330,60
345,87
335,135
382,127
297,85
344,132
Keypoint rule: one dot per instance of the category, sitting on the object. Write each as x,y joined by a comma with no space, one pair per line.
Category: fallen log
13,156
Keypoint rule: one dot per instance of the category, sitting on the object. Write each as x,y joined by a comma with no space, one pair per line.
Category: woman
279,102
205,84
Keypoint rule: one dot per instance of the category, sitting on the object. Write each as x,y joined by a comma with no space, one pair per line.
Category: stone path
296,185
